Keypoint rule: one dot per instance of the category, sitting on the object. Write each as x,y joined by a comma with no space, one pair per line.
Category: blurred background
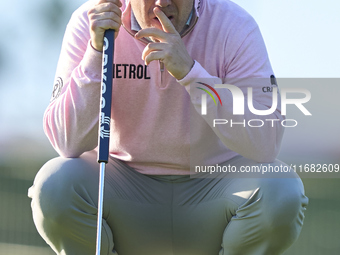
303,43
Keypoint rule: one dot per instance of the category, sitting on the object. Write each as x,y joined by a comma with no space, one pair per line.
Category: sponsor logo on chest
130,71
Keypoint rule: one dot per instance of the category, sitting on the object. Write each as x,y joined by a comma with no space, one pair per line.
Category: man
167,52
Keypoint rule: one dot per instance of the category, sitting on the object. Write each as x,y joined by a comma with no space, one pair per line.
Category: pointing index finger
167,25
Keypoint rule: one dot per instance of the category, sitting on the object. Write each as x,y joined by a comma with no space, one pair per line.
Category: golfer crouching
168,57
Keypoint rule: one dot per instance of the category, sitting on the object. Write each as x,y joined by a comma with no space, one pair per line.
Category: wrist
184,77
186,70
96,47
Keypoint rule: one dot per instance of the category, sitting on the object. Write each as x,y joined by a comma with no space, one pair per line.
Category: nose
163,3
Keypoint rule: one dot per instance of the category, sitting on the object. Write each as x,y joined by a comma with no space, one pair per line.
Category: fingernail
155,9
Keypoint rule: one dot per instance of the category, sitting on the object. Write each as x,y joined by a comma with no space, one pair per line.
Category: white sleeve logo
58,86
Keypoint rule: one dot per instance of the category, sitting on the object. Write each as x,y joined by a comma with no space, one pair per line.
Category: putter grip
106,97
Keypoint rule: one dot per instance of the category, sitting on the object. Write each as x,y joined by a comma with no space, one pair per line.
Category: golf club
104,124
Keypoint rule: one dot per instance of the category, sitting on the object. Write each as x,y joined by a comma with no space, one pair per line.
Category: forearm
261,144
72,128
71,120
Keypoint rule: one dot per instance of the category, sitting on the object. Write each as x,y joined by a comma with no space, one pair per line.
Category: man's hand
106,14
168,47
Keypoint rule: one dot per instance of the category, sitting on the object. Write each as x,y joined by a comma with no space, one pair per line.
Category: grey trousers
165,215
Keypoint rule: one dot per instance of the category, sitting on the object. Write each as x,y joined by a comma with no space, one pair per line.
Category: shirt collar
134,23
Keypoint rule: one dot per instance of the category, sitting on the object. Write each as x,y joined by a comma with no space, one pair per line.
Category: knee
51,188
284,206
55,191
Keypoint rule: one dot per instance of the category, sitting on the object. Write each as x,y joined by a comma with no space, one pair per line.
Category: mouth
170,17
